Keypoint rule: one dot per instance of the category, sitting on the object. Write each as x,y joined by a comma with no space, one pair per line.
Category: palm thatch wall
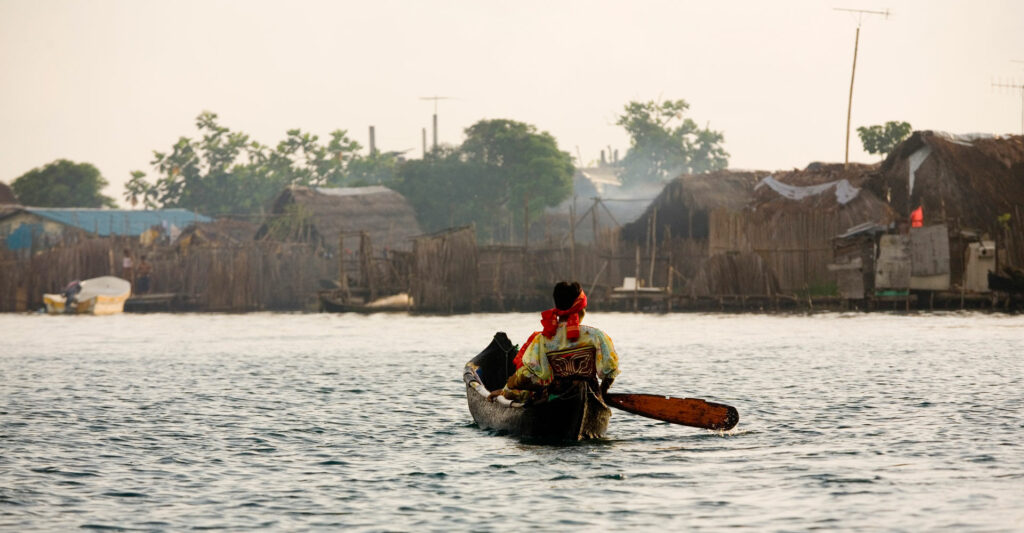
322,215
733,274
445,276
247,277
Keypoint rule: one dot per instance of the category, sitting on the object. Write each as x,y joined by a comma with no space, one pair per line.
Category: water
306,421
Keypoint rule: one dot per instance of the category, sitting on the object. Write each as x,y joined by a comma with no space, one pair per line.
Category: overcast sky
108,82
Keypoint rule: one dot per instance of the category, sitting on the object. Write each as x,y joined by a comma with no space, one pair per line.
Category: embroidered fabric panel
573,362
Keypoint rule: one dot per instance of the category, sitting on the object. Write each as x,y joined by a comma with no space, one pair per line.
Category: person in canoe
562,352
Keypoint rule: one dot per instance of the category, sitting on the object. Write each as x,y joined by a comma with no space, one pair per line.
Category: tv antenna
1019,87
856,41
435,99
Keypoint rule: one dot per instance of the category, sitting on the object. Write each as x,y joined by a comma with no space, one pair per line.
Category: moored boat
104,295
577,412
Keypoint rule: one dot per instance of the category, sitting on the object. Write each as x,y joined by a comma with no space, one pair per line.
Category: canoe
577,413
104,295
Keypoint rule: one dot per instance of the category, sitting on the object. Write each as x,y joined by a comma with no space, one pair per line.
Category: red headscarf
549,318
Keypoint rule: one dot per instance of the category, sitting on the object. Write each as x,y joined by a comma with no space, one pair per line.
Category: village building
7,197
221,232
674,231
367,231
324,215
792,220
35,228
970,189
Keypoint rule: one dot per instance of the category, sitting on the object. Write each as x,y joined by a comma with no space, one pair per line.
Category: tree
225,172
446,191
882,140
62,183
664,144
503,169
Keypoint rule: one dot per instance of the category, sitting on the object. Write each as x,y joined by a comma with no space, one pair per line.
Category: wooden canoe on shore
576,414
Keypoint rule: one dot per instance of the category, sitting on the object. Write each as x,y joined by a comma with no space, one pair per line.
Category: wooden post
342,275
366,260
636,280
572,239
668,289
654,246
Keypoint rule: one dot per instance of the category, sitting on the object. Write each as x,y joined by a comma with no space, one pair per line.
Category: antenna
1019,87
435,99
856,41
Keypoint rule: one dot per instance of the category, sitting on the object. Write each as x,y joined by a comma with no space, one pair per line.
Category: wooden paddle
686,411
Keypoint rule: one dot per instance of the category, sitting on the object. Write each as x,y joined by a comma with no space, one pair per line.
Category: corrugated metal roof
105,222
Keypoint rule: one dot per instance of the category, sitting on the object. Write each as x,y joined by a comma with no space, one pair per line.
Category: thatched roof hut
964,181
221,232
321,214
7,196
793,218
686,202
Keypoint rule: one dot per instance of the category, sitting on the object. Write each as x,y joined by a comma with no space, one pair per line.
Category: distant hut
685,204
323,215
676,223
969,183
793,219
7,196
24,228
221,232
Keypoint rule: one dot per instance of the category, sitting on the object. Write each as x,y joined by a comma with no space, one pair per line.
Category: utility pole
856,41
435,99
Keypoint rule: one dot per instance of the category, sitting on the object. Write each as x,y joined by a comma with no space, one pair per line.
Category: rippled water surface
305,421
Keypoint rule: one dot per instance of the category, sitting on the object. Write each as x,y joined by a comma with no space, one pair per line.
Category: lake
854,422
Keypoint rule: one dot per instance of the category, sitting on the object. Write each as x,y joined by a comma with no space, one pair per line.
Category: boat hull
104,295
577,413
97,305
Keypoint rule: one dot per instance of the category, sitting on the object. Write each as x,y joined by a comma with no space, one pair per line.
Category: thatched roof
685,202
965,180
223,231
7,195
385,215
821,187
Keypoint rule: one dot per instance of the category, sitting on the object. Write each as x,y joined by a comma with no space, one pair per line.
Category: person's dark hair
565,293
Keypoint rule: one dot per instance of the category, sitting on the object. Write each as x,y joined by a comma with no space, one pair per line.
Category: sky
110,81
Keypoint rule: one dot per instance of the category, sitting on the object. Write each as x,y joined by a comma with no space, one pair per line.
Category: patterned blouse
535,361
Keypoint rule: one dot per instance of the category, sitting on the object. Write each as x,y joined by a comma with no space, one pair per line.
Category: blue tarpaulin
106,222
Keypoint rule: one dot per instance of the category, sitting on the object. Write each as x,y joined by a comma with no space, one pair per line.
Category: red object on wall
917,217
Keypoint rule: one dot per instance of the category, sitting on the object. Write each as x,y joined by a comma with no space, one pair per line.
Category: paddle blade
686,411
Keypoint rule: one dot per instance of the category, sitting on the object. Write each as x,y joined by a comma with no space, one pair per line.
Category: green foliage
62,183
882,140
504,169
664,144
447,192
224,172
